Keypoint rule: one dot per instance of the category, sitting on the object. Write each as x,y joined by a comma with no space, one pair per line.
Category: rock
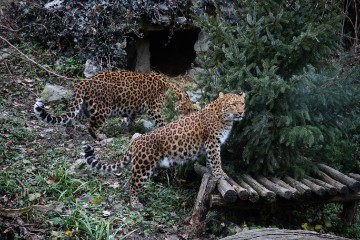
142,56
53,93
181,20
5,52
147,124
194,95
54,4
90,68
200,45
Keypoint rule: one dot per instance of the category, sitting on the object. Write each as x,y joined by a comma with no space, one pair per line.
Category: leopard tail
75,107
98,165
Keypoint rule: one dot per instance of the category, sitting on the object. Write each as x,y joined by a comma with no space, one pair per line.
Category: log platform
328,185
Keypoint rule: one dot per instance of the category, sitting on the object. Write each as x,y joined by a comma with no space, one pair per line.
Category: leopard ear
243,94
221,94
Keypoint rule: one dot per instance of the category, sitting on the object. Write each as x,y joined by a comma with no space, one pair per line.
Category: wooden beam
281,183
282,192
253,195
261,190
302,188
314,187
341,188
329,188
350,182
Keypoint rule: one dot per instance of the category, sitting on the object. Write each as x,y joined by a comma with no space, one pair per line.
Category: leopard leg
138,179
96,121
213,160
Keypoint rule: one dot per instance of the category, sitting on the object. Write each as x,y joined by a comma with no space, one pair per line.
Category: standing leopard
201,132
119,93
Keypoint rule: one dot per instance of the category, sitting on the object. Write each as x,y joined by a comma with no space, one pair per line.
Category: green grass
43,176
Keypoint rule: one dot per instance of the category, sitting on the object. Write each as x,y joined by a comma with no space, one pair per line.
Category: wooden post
349,211
202,203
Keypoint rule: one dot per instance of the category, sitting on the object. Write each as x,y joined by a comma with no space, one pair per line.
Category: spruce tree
299,108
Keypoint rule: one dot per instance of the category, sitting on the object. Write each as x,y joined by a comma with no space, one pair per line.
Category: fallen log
314,187
302,188
351,183
281,183
281,234
341,188
262,191
282,192
329,189
226,190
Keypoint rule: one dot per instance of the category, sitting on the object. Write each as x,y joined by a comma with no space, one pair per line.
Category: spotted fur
120,93
186,139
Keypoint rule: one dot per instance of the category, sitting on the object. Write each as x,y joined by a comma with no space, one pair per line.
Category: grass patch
88,205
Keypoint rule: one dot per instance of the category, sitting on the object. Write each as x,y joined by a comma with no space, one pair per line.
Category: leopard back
117,94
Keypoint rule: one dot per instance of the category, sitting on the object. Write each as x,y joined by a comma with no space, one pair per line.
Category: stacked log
328,185
327,182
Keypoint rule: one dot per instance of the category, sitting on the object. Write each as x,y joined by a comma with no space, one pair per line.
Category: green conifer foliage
273,50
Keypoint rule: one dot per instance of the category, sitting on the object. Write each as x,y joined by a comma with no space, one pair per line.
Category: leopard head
232,106
184,106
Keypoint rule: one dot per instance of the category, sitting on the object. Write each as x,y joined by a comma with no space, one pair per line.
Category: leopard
198,134
121,93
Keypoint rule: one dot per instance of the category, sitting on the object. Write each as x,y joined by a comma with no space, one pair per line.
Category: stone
53,93
90,68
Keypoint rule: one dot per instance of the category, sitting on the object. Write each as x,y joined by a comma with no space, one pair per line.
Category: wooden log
243,194
261,190
202,203
282,192
355,176
200,169
281,183
314,187
341,188
281,234
329,188
351,183
302,188
253,195
226,190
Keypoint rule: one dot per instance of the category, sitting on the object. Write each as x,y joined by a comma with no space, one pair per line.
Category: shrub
299,108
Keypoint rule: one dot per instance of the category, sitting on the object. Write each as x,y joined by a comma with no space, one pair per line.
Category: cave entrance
160,52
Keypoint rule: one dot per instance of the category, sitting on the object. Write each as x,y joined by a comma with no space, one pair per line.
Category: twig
37,64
